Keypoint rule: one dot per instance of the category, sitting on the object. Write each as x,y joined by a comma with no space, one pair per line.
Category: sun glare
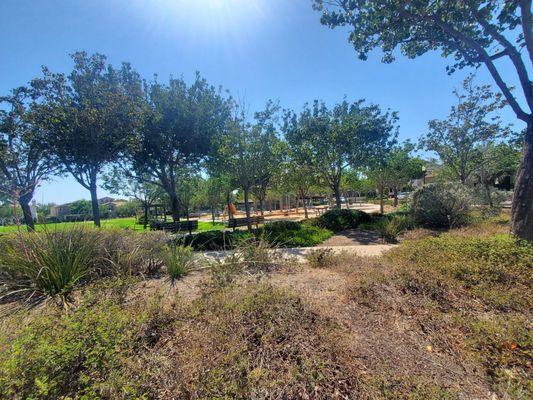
211,16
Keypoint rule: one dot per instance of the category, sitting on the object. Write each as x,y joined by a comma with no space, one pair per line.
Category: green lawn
124,223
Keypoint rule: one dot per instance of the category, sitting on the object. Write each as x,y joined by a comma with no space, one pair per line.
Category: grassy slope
124,223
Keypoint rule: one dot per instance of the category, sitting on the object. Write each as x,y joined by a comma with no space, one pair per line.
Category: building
62,212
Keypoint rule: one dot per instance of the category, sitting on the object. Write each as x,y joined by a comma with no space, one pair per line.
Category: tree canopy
24,160
473,33
332,140
180,124
90,117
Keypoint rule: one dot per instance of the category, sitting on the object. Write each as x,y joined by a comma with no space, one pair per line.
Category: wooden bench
235,222
175,226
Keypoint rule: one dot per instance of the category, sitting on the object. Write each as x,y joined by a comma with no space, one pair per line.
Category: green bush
306,236
294,234
338,220
390,228
442,205
75,355
281,226
214,240
279,234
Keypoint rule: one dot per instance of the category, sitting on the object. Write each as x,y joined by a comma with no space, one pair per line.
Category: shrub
282,226
47,264
52,263
294,234
391,228
279,234
251,256
441,205
337,220
179,261
75,355
130,253
214,240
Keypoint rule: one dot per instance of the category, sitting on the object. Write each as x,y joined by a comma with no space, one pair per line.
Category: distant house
62,211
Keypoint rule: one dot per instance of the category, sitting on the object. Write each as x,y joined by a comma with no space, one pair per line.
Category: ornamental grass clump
179,261
47,264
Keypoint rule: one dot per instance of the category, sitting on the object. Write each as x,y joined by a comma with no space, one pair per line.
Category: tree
394,170
211,192
245,149
496,161
125,181
270,154
24,161
80,207
474,33
333,140
178,131
470,125
189,185
90,117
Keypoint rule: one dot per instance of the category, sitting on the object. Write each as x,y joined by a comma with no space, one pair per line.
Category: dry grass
459,304
442,316
242,342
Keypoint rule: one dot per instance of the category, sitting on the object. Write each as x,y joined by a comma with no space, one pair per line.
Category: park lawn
123,223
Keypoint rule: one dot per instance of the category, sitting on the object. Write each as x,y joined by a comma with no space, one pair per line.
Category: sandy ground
298,214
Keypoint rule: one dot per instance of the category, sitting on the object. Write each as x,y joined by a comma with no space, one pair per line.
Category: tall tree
90,117
474,33
246,149
24,161
178,130
270,156
332,140
472,123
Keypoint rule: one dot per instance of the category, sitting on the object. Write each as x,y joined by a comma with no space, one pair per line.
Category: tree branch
485,58
527,26
513,54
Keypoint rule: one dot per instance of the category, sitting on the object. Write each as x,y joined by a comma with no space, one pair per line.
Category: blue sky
257,49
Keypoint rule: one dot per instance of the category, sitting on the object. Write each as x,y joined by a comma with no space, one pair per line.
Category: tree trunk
522,209
337,194
381,207
247,208
262,206
302,195
24,202
95,205
228,204
395,191
487,192
174,206
145,206
213,214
